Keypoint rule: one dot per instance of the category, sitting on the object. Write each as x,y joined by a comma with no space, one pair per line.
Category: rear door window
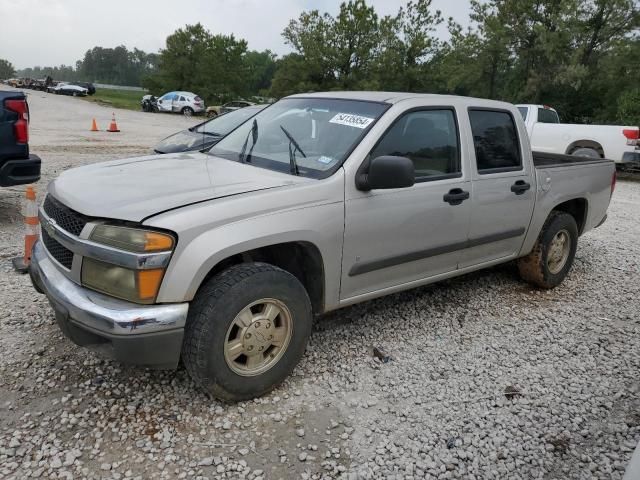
495,140
546,115
429,138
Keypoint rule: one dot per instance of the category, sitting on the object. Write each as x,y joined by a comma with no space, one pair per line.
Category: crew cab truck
547,134
17,166
320,201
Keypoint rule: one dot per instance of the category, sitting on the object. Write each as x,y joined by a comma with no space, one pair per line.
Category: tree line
580,56
117,66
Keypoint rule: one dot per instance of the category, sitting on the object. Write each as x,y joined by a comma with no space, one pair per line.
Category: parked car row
73,89
189,103
47,84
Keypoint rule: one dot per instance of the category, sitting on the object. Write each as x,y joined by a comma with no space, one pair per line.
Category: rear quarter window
495,140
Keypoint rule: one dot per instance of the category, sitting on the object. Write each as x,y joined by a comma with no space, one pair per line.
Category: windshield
310,137
222,125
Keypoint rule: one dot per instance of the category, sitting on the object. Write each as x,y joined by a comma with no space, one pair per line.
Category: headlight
132,239
139,286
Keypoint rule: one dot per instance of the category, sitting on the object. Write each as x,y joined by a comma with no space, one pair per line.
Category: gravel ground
488,378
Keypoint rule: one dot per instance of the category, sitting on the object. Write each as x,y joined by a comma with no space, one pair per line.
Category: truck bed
551,160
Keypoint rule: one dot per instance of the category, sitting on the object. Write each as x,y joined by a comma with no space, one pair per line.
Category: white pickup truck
547,134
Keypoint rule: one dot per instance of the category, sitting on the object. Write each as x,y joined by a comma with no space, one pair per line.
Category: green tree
260,68
6,69
359,50
408,47
629,107
181,62
217,67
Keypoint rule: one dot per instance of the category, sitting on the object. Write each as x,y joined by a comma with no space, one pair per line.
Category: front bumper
148,335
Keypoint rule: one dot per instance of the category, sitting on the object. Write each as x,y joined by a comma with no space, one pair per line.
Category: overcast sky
54,32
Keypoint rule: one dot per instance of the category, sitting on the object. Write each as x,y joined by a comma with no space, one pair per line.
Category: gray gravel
488,378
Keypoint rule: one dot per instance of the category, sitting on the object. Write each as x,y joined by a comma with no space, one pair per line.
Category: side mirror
387,172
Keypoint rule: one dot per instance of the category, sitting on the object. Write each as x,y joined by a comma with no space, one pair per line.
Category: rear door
179,103
503,191
165,103
398,236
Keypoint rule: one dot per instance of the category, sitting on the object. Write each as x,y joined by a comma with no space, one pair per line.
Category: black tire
586,152
212,313
187,111
534,268
212,114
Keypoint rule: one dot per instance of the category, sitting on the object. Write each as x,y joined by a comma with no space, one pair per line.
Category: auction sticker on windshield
351,120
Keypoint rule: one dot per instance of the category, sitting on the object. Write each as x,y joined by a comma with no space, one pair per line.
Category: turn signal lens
149,283
156,242
132,239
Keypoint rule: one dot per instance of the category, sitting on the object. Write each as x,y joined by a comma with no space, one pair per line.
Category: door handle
520,187
456,196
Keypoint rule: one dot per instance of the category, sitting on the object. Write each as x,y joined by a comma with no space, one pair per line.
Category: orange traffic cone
21,264
113,127
94,126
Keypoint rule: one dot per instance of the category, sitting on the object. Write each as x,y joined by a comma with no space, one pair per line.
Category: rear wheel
247,330
586,152
552,256
187,111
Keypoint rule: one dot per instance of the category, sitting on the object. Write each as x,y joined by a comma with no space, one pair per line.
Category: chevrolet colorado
320,201
17,166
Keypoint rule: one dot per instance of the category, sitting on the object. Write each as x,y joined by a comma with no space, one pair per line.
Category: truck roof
546,107
395,97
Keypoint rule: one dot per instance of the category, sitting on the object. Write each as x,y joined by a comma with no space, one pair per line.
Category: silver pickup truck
320,201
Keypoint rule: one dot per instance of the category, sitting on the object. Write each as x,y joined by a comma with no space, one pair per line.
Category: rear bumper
137,334
631,159
20,172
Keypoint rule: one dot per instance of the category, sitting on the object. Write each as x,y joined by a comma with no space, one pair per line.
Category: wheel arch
585,143
302,259
578,208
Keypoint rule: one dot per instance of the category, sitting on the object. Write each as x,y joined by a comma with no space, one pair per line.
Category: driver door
399,236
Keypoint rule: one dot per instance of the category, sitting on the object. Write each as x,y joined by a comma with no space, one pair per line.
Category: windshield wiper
254,137
292,152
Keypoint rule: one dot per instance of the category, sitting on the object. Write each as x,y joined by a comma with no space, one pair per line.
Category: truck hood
136,188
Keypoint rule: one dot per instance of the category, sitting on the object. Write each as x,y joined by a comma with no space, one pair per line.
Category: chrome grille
63,255
70,220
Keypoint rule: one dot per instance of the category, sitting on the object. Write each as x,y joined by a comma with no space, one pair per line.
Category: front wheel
247,330
552,256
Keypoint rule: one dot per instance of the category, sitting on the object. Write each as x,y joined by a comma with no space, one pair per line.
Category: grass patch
128,99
